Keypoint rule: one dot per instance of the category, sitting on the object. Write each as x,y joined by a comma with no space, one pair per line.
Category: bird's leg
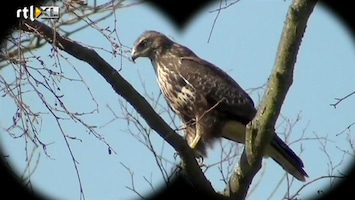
194,143
195,140
198,134
199,130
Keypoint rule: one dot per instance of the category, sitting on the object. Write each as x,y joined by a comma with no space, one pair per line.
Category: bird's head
148,44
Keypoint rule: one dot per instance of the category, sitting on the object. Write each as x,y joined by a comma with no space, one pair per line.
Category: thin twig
224,7
346,129
310,182
339,100
218,10
214,22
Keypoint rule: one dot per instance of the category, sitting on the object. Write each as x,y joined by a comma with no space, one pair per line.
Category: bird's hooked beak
134,55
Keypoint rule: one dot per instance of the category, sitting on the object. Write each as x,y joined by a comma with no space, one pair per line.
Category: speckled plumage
209,102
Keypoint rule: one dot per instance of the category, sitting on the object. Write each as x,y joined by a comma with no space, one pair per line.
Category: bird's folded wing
218,87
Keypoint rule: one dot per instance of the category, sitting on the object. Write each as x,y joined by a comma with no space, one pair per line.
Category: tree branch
123,88
261,130
339,100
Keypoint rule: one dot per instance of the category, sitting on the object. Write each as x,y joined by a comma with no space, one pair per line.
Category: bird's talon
200,161
176,154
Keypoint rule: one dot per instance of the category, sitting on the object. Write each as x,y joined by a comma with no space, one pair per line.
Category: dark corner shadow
343,187
10,184
180,188
180,12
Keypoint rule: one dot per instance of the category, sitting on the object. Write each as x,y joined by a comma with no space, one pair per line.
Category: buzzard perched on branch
209,102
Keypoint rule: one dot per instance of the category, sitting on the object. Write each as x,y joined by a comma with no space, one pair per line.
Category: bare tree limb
261,130
123,88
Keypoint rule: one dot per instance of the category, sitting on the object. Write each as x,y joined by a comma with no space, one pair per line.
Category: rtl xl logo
33,12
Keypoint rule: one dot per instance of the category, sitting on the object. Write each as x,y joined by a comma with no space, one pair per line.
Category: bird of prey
208,101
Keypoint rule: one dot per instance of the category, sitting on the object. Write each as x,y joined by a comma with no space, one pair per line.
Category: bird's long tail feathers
278,150
284,156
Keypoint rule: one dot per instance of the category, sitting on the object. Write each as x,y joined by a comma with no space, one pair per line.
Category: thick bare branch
123,88
260,131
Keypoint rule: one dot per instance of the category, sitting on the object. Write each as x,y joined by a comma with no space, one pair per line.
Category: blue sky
244,42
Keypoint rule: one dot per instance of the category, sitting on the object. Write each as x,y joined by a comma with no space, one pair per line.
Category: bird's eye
143,43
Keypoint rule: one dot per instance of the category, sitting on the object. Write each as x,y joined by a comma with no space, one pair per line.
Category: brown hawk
209,102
